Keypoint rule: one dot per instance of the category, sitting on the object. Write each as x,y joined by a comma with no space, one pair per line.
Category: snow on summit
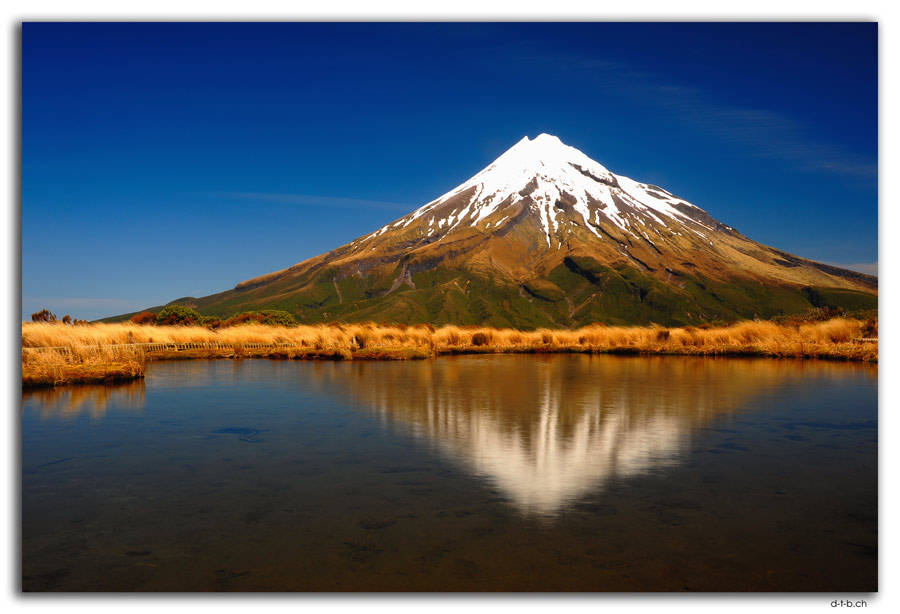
546,236
551,178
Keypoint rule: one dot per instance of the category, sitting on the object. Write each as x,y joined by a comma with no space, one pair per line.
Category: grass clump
81,365
99,352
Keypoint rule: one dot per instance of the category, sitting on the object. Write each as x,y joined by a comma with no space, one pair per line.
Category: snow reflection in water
546,431
468,473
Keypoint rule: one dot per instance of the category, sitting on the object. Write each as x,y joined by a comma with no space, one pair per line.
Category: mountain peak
542,141
561,189
545,150
546,236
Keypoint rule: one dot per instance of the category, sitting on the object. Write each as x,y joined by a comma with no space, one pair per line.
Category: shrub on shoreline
56,353
178,314
796,338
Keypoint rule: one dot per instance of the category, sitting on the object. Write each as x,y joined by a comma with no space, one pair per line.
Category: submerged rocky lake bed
469,473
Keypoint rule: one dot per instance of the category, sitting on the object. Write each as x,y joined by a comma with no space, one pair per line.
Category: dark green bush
276,317
818,314
273,317
178,315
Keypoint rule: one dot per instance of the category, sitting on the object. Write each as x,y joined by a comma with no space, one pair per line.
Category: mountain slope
545,236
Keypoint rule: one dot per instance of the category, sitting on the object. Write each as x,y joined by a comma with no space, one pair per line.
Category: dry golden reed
835,338
81,364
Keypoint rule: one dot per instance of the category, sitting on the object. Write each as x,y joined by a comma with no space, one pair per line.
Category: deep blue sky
167,160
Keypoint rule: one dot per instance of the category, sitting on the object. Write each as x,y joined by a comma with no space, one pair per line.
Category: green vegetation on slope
579,292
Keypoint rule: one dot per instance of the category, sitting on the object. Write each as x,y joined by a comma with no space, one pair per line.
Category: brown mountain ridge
545,236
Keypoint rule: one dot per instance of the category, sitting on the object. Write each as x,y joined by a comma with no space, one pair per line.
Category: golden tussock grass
81,364
90,351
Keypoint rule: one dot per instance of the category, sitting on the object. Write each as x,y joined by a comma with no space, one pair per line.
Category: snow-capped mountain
555,179
546,236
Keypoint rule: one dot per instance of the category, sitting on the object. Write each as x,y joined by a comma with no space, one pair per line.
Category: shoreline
44,366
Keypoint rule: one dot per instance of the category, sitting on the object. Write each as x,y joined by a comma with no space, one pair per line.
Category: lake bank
57,354
472,473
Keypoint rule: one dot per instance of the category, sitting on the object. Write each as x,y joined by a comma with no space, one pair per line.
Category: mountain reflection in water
69,402
546,431
470,473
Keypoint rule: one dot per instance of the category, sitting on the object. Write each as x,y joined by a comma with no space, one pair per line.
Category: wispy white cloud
762,133
312,200
88,308
87,303
869,268
757,132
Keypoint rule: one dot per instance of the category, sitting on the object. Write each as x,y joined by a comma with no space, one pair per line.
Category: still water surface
509,473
